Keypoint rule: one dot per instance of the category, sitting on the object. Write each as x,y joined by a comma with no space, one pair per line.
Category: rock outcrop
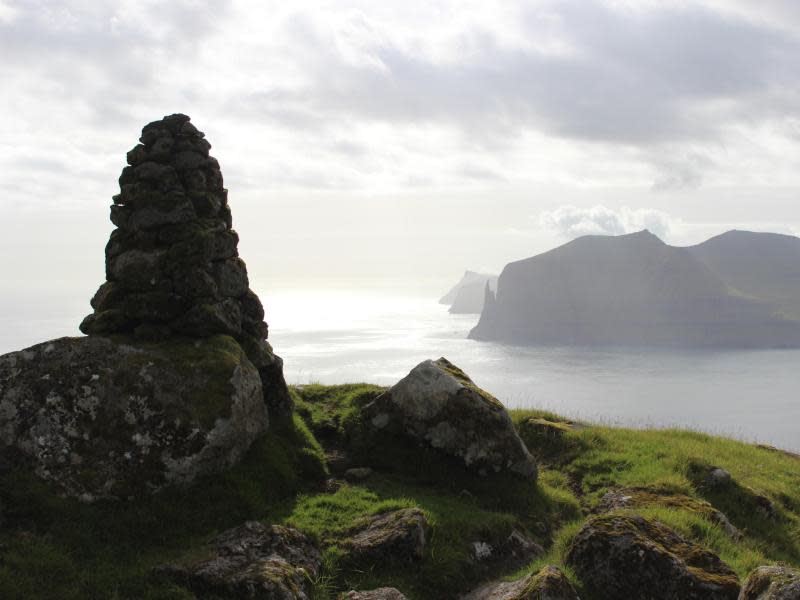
102,418
252,562
548,584
172,265
439,406
772,583
396,536
621,556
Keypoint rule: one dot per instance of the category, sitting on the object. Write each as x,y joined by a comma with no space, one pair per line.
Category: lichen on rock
104,418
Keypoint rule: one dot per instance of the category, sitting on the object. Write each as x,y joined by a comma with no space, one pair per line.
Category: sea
345,336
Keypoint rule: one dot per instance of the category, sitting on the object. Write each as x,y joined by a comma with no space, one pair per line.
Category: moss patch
449,368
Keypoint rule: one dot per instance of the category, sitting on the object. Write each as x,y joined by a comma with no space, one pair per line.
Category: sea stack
172,264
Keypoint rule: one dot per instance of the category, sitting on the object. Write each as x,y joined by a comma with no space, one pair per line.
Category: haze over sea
378,336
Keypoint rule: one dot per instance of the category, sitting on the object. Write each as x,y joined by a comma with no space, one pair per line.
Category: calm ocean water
330,337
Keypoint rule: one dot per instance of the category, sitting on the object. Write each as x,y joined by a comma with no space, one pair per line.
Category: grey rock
104,418
252,562
231,277
399,535
548,584
772,583
438,405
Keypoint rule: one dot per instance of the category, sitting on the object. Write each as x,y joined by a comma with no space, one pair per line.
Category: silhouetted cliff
632,290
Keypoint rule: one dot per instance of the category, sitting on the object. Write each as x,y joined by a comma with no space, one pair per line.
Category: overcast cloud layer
359,137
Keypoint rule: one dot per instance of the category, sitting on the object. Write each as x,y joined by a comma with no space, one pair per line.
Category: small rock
772,583
384,593
357,473
548,584
399,535
252,562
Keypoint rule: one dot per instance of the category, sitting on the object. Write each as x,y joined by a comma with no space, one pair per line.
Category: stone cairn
172,265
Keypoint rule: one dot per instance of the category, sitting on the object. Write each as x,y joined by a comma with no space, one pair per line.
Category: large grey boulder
251,562
548,584
108,418
438,405
628,556
772,583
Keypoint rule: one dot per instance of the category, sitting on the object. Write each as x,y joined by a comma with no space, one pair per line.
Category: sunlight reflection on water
339,337
345,337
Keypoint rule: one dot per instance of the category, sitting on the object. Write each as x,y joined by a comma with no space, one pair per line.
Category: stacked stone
172,265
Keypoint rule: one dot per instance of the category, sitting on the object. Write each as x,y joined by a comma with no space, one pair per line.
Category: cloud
572,222
382,95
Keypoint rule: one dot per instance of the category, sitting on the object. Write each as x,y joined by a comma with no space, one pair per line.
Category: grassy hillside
56,548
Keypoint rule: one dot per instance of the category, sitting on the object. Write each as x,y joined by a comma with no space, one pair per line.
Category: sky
396,144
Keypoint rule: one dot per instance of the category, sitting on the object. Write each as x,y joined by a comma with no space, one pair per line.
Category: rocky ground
345,501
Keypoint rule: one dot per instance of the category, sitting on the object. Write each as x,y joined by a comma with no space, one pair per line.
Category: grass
599,459
51,547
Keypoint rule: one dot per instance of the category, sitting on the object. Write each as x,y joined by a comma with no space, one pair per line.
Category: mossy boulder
438,406
115,417
251,562
547,584
628,556
638,497
772,583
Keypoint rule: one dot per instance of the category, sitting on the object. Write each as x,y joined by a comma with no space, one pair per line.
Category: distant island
737,290
467,296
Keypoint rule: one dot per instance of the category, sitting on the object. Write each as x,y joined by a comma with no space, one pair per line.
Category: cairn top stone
172,263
